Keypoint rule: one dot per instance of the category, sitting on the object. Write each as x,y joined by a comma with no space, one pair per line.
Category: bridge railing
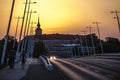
46,62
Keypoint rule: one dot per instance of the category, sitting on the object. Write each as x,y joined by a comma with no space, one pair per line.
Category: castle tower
38,30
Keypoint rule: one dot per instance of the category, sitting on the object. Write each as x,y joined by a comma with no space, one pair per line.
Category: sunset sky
64,16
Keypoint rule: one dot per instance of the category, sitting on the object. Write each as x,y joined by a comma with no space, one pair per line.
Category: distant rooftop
56,36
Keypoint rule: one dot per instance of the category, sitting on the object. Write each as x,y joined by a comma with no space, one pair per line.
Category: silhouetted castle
54,43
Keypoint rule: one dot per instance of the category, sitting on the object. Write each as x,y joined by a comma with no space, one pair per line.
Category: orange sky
65,16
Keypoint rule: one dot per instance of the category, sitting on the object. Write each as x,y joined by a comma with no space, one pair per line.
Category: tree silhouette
39,49
111,45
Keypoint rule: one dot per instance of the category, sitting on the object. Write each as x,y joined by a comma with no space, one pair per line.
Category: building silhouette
56,44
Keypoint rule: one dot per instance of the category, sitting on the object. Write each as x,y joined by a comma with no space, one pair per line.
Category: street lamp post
85,40
81,46
25,47
7,34
29,3
31,28
18,48
92,39
28,27
30,20
99,36
117,17
16,29
78,49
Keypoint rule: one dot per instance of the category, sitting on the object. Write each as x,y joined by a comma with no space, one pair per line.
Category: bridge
95,67
80,62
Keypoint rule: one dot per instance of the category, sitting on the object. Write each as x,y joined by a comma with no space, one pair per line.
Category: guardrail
46,63
108,54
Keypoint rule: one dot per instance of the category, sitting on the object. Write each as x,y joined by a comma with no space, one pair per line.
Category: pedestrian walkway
34,70
14,74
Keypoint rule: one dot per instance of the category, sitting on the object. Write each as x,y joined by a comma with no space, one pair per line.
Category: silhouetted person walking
23,59
11,57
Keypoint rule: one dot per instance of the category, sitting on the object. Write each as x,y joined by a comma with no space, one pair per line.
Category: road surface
37,71
90,68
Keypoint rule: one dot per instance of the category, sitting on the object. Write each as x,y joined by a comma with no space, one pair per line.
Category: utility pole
90,28
85,40
18,48
117,17
16,29
7,34
99,35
